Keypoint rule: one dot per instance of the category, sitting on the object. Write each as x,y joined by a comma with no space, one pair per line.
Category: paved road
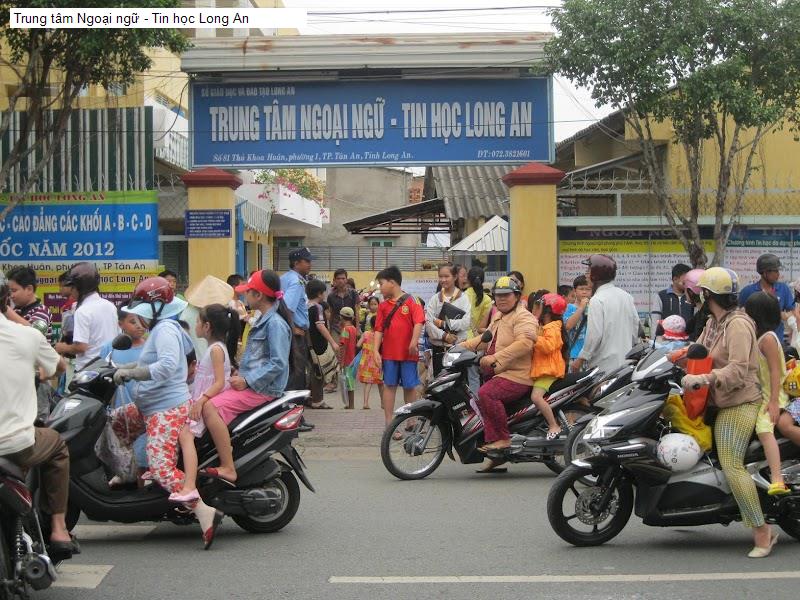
363,525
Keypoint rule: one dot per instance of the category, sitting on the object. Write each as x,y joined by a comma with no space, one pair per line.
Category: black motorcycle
416,441
24,560
264,499
592,500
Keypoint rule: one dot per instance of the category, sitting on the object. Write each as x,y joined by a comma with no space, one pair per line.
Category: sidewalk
341,427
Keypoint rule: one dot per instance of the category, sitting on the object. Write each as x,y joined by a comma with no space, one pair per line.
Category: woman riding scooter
161,399
507,361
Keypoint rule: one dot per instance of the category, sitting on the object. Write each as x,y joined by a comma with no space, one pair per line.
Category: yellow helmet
791,384
719,280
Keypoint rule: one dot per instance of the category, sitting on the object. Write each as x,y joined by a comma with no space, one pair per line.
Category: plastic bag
116,456
675,412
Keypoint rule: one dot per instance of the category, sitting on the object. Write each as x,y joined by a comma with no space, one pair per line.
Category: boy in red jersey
398,326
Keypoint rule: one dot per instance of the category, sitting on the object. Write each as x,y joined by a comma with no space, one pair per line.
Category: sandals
778,489
320,406
554,435
213,473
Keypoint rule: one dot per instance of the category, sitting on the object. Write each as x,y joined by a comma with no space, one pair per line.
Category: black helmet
601,267
84,277
767,262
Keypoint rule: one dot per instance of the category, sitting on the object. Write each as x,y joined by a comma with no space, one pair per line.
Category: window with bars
381,243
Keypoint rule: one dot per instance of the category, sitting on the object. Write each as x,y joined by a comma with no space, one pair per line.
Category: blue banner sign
208,224
117,230
398,122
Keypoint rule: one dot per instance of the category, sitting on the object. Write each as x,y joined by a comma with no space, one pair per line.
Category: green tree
722,73
52,66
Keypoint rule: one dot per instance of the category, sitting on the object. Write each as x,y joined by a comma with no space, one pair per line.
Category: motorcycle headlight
86,377
450,358
600,429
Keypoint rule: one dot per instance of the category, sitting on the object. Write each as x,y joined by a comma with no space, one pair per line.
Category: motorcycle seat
9,468
565,382
292,397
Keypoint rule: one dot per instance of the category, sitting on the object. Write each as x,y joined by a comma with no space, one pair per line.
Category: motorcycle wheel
406,458
571,415
790,526
290,491
569,507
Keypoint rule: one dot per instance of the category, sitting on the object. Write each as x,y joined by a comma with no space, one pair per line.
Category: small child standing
348,343
369,370
219,326
549,356
765,311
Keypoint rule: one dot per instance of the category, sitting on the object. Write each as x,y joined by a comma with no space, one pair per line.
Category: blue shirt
577,345
293,287
784,295
164,353
265,362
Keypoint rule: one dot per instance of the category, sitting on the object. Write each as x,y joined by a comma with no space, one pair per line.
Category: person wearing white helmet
768,266
733,383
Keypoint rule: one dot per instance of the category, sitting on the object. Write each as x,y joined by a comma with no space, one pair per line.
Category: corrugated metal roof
491,238
407,51
476,191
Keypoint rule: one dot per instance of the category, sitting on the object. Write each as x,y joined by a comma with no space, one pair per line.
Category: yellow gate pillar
212,189
533,230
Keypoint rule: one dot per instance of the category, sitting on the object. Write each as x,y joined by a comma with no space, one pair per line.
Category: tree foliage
52,66
722,73
297,180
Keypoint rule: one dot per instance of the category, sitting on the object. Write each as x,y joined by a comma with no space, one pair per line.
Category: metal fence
367,258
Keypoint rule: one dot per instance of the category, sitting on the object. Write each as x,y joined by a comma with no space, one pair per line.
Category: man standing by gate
293,285
342,295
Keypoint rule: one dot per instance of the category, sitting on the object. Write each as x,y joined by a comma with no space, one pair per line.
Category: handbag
326,364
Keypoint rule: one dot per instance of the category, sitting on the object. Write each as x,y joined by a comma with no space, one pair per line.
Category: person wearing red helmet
161,395
613,324
550,355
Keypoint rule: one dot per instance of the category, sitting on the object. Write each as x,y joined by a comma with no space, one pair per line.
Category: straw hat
210,290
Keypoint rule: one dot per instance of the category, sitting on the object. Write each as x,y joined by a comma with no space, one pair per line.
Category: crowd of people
198,360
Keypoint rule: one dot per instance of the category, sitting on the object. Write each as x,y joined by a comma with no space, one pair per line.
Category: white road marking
111,532
621,578
81,576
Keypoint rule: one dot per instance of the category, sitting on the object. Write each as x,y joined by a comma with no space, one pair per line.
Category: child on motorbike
549,356
219,326
161,394
765,311
264,368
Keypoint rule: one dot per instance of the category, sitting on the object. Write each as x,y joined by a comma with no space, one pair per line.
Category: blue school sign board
208,224
390,122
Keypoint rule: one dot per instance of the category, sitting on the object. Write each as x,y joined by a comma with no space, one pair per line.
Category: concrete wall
351,194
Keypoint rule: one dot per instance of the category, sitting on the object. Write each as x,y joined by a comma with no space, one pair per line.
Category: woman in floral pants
160,395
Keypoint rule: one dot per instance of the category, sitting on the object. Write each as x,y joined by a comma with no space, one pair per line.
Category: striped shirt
38,315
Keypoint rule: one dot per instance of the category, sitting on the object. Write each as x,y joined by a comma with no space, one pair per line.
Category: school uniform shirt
459,327
95,324
781,291
22,348
395,342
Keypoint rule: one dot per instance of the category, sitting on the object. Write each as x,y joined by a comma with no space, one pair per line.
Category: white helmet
678,451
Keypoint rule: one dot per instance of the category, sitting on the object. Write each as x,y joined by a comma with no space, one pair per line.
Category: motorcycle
264,498
24,559
416,441
593,499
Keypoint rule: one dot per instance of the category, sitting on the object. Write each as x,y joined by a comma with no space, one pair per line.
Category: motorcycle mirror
122,342
697,352
486,337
